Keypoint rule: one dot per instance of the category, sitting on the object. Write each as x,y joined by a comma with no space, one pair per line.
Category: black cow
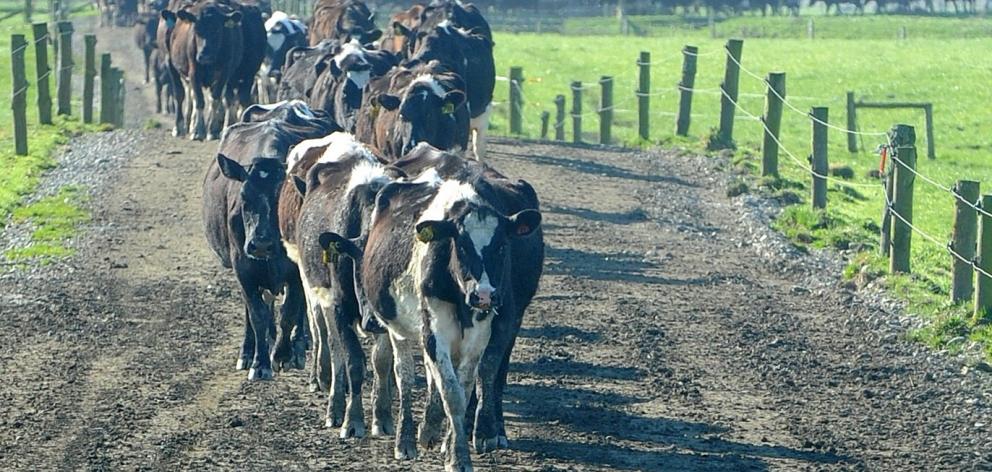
240,193
145,34
438,266
528,262
282,35
205,44
253,53
303,66
425,104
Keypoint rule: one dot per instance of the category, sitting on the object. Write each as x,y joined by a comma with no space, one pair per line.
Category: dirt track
664,337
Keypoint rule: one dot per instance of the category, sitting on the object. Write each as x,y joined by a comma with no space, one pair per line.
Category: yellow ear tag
331,254
230,24
448,108
426,234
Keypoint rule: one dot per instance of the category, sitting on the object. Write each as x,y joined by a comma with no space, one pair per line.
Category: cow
253,53
145,33
409,106
340,179
240,192
396,38
303,66
205,44
282,34
436,268
528,262
343,20
340,83
163,83
458,36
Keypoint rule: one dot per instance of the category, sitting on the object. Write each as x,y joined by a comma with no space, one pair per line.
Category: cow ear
231,169
373,36
389,102
335,70
430,231
301,186
453,100
334,245
524,223
186,16
400,30
169,17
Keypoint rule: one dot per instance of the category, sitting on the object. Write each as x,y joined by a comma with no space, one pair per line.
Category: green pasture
951,73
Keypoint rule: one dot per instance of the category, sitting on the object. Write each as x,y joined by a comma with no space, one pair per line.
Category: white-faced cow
437,267
240,197
343,20
423,104
205,47
282,33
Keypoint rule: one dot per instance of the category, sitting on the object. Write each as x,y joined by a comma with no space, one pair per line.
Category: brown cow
396,39
343,20
205,48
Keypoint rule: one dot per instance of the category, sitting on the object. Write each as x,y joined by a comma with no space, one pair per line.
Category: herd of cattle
359,199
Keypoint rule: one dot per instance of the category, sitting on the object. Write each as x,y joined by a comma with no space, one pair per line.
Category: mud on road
671,332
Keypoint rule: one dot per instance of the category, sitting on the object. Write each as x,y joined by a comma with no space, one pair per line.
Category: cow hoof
384,430
211,136
298,361
483,446
502,442
243,364
352,430
333,422
313,387
459,466
176,133
405,452
260,373
428,438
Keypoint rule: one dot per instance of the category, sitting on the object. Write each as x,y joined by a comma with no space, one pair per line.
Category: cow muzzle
260,248
482,297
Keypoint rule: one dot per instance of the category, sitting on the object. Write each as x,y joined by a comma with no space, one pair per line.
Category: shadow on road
636,215
616,267
596,168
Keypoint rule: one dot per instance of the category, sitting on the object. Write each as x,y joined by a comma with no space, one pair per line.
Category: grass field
951,73
21,173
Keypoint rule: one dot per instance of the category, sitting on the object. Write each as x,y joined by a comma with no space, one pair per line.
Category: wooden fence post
773,123
983,290
65,68
19,100
928,122
819,160
810,29
576,111
516,99
963,240
605,109
728,100
643,94
560,118
89,74
42,70
545,117
28,10
903,165
119,92
852,123
685,90
885,237
106,104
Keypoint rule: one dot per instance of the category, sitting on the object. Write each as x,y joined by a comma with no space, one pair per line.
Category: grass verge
53,220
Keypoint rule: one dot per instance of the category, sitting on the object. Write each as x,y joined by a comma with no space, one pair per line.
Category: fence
111,81
970,249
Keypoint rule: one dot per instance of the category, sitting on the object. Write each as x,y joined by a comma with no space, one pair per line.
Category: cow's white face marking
276,40
367,173
359,77
263,174
450,192
276,18
480,229
431,82
340,144
429,177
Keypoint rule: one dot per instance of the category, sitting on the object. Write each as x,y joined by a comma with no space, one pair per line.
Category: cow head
261,183
358,23
210,26
474,239
426,112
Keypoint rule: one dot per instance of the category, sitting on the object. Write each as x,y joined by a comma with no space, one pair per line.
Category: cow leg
493,368
286,354
452,391
382,394
260,316
216,117
247,345
333,346
158,95
403,367
198,102
354,357
148,59
179,94
480,129
429,434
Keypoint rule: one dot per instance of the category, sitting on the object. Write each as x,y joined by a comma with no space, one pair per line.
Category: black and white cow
340,85
342,177
240,192
512,196
303,66
437,268
283,33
